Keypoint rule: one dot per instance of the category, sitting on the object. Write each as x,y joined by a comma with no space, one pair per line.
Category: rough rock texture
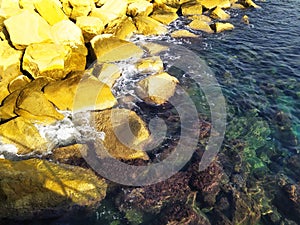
18,83
90,26
27,28
210,4
125,133
183,33
80,93
191,9
219,13
37,188
164,17
76,8
149,26
219,27
152,64
122,28
157,88
110,49
200,25
140,7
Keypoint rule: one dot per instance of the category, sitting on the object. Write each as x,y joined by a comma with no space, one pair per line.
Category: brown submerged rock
39,189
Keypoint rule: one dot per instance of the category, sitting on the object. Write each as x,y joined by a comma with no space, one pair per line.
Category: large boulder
90,26
36,188
149,26
125,133
110,49
140,7
77,8
27,28
80,93
152,64
199,24
122,28
220,27
220,14
18,83
164,17
191,8
210,4
158,88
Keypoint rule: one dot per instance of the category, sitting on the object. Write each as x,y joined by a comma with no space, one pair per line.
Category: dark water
258,69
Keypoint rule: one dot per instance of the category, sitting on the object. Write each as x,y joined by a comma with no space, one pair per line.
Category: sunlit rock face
36,188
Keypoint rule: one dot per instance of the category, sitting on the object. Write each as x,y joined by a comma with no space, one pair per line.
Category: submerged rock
152,64
36,188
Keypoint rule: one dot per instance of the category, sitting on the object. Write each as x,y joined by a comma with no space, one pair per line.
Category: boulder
122,28
72,154
149,26
200,17
107,73
183,33
50,11
219,26
27,28
7,109
157,89
47,59
3,91
27,5
237,6
24,135
107,48
125,133
80,93
18,83
77,8
152,64
200,25
250,3
219,13
35,188
210,4
164,17
90,26
153,48
12,4
110,10
193,8
140,7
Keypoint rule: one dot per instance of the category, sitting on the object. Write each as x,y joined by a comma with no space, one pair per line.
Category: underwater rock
47,59
219,13
157,89
79,92
27,28
149,26
110,49
24,135
50,11
90,26
152,64
140,7
77,8
120,142
36,188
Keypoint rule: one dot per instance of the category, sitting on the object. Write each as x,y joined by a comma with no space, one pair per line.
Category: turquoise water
258,69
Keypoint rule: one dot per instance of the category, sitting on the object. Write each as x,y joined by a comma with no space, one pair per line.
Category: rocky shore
62,56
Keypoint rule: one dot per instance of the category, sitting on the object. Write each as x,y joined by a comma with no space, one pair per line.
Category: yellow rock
149,26
108,73
32,188
80,93
76,8
191,9
27,28
13,4
245,19
250,3
183,33
3,90
164,17
219,13
39,83
210,4
237,6
157,88
27,4
171,3
153,48
24,135
50,11
69,154
7,109
110,49
200,17
200,25
152,64
18,83
90,26
223,26
164,8
125,133
122,28
110,11
140,7
46,59
35,107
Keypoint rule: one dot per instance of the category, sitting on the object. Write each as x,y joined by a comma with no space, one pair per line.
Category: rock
153,48
157,88
164,17
200,17
110,49
165,8
72,154
107,73
24,135
210,4
152,64
200,25
250,3
191,8
245,19
140,7
110,11
27,28
3,91
18,83
50,11
90,26
12,4
35,107
122,28
171,3
223,26
47,59
7,109
149,26
120,142
77,8
219,13
183,33
237,6
27,5
80,93
35,188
